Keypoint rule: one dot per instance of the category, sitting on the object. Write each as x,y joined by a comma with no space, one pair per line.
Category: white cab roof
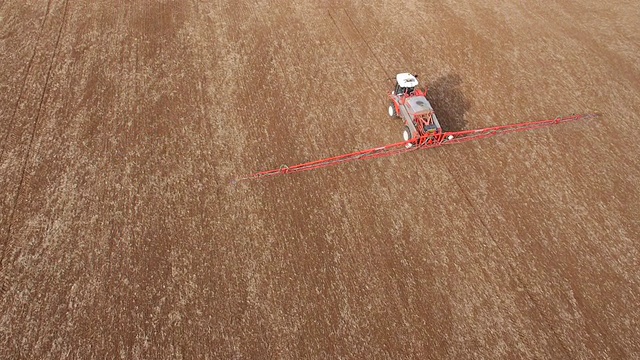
406,80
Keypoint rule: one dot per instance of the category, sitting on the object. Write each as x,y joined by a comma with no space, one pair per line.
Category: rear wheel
392,111
406,135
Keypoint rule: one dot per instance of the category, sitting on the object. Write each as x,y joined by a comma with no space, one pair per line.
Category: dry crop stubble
123,128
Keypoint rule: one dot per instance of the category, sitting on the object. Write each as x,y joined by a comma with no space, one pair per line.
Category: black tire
392,111
406,136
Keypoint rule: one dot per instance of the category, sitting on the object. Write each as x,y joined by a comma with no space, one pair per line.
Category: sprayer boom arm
425,142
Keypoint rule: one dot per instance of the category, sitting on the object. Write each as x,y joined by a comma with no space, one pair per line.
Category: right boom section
426,141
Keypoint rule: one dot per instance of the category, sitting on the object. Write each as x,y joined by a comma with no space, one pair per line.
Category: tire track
374,19
513,271
573,32
516,275
24,81
366,53
351,49
591,43
367,44
7,243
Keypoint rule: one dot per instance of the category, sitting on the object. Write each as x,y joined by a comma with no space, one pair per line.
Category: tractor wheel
392,111
406,135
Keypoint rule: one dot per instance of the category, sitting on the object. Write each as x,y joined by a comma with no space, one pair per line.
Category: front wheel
392,111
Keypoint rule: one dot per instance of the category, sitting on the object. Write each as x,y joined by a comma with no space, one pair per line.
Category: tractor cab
411,105
405,84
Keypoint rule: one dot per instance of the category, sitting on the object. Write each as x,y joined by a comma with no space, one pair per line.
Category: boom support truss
424,142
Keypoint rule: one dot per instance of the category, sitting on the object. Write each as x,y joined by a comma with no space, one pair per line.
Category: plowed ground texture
124,125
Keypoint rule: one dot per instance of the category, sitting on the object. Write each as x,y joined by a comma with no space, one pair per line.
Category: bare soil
123,126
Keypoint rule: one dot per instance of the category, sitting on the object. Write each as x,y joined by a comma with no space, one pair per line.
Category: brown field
122,127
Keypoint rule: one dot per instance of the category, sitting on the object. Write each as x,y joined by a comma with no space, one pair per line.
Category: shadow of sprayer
449,102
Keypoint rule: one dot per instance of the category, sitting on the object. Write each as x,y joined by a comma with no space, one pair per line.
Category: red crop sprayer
422,130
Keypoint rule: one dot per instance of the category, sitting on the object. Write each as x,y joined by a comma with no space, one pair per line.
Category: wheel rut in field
513,271
7,243
23,85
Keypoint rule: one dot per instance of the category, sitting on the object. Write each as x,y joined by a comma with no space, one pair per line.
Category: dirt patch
123,234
